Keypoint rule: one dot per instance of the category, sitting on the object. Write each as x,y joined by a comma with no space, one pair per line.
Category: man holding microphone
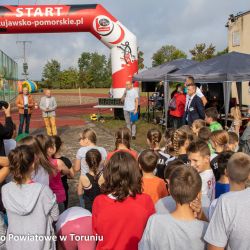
130,99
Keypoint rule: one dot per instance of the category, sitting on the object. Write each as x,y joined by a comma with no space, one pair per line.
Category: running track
68,115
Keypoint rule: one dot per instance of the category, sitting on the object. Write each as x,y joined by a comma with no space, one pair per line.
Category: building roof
242,13
232,18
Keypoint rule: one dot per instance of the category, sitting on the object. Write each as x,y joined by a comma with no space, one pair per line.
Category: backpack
245,141
172,104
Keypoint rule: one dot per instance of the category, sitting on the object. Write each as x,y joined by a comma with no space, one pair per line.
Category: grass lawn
111,125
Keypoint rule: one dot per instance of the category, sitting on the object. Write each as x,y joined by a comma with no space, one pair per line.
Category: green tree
69,78
83,65
225,51
140,59
94,70
107,74
84,61
51,73
97,69
201,52
167,53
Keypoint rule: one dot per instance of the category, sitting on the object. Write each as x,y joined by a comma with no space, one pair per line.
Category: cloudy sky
182,23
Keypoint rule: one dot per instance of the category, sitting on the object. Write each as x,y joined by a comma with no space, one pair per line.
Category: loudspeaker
118,114
214,95
215,91
148,86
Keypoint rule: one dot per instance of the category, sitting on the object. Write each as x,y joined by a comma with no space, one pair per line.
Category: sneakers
133,138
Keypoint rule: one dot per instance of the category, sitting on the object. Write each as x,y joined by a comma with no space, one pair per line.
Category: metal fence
8,77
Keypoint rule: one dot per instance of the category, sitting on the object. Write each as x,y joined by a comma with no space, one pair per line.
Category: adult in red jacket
177,114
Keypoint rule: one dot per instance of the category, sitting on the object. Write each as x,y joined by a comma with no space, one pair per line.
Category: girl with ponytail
58,155
180,143
31,207
58,168
89,184
42,168
219,141
122,143
154,137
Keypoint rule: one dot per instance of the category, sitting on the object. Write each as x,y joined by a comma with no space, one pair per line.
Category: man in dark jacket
6,130
194,109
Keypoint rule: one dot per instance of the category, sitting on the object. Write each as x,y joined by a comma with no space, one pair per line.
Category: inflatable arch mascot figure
78,18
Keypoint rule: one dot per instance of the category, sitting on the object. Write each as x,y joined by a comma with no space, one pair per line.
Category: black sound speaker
148,86
215,91
214,95
118,114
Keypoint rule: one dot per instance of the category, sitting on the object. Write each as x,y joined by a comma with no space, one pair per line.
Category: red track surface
67,116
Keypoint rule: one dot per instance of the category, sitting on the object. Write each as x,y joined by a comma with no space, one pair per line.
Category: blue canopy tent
158,73
222,69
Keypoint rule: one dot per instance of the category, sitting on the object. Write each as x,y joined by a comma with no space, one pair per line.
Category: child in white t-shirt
87,140
199,157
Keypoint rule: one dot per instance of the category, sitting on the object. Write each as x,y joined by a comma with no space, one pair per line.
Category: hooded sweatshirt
31,209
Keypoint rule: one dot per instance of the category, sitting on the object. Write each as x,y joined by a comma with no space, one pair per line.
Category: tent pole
239,92
166,101
148,105
227,93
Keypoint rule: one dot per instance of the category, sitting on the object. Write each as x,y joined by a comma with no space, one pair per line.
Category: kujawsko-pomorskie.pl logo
36,237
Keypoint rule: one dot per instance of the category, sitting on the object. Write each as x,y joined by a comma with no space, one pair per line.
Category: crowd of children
188,190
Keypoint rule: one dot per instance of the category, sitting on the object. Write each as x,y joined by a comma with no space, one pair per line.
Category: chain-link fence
8,77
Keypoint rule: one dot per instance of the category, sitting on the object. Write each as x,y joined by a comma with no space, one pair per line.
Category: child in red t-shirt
154,186
120,214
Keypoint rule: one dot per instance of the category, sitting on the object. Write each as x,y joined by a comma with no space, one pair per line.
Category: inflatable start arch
78,18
